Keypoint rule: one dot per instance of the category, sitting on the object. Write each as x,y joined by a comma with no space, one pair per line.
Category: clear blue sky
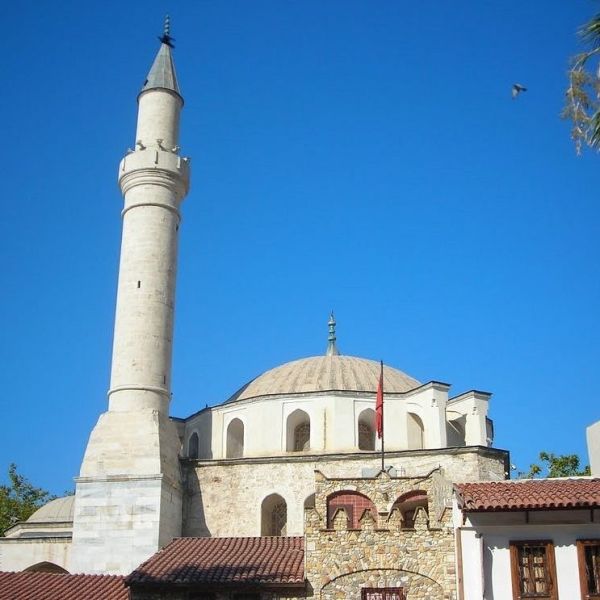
355,155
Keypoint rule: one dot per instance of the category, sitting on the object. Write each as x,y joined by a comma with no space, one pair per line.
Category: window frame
582,544
400,591
550,568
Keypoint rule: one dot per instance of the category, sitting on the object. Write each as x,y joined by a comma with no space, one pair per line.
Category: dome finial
331,345
166,38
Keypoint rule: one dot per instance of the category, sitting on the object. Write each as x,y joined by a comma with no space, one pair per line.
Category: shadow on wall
488,565
194,519
198,446
199,443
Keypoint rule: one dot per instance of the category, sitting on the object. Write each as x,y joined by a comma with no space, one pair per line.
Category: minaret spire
162,73
166,38
331,339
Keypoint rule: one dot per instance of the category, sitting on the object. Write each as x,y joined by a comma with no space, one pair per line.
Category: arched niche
46,567
366,430
354,503
193,446
455,432
235,439
415,431
309,501
273,520
408,503
298,431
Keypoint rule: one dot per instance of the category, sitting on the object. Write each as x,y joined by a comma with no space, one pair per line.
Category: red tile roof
528,494
27,585
270,561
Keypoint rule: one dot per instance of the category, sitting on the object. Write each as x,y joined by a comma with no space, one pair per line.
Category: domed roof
58,510
324,374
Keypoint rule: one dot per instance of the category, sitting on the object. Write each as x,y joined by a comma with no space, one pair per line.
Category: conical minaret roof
162,73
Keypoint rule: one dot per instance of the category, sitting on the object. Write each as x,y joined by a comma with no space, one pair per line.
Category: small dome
325,374
58,510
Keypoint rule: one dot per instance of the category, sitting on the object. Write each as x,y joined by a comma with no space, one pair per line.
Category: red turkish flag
379,406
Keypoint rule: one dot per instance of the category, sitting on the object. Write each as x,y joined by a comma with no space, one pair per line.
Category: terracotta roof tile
528,494
27,585
225,561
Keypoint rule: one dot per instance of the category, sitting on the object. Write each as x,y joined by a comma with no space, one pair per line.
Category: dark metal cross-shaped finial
166,38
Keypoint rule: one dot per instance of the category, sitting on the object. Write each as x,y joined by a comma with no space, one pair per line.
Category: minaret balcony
153,165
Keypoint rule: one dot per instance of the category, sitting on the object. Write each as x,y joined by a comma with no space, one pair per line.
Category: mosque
280,468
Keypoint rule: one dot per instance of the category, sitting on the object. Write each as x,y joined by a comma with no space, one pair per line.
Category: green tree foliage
582,105
19,499
561,465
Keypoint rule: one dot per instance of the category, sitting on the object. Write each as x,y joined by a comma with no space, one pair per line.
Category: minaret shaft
158,118
129,493
153,180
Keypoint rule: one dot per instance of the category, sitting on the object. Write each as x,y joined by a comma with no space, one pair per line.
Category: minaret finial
166,38
331,345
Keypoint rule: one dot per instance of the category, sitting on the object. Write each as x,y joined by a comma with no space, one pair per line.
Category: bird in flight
517,88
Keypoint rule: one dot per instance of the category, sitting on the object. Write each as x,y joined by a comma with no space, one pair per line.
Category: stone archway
415,585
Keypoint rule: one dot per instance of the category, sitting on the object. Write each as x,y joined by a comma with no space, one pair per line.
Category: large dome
323,374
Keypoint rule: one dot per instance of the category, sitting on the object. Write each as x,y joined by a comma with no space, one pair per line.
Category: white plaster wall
490,553
593,444
333,422
474,406
19,554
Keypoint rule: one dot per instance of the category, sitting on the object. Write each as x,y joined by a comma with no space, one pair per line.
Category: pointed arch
235,439
354,504
309,501
193,446
415,432
298,431
366,430
455,431
273,519
46,567
408,503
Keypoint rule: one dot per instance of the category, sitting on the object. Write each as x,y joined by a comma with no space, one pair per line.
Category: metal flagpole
382,420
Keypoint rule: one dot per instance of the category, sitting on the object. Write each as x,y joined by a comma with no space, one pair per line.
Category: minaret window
235,439
274,516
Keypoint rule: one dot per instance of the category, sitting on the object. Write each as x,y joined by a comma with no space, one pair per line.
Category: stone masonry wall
339,561
224,497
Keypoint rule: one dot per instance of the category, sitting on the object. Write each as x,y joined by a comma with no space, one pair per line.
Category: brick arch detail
354,503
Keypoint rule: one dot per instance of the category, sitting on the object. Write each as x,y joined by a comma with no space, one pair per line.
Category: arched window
298,432
235,439
408,503
455,432
353,503
366,430
273,516
310,501
45,567
415,432
193,445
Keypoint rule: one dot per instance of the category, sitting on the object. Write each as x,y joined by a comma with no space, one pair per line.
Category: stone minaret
128,498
